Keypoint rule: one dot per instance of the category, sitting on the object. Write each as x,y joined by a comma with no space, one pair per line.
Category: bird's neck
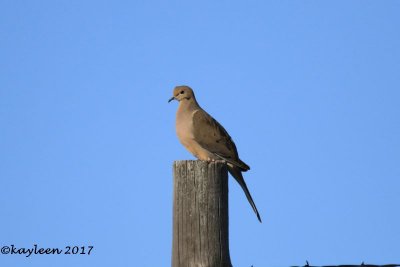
190,104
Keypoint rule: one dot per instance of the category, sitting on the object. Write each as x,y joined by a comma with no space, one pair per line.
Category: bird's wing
215,139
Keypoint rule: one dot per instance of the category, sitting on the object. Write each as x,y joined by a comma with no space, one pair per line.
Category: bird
206,138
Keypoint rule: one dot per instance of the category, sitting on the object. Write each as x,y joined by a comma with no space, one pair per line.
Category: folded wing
215,139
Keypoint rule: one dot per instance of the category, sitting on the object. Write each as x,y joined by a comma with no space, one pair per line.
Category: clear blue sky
309,91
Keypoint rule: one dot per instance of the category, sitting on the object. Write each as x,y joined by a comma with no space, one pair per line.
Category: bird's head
182,92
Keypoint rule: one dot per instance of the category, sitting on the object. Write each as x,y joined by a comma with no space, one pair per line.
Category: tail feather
237,174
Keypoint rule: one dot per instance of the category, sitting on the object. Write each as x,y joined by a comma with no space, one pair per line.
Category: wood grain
200,214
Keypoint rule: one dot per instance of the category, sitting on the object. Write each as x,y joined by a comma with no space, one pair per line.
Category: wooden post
200,219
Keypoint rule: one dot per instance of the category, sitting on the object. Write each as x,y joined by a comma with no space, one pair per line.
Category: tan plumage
206,139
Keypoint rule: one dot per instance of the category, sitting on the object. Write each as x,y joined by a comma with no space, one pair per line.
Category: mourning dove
206,139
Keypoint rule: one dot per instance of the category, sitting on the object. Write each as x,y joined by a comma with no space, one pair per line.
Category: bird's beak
172,98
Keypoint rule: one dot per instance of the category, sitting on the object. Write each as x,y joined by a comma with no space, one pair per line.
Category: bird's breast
185,133
184,126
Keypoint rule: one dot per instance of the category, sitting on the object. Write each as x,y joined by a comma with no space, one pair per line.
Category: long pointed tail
237,174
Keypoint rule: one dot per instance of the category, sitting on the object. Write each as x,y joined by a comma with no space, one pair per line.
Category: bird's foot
218,160
213,160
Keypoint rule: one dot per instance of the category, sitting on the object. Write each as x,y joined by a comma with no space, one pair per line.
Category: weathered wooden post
200,219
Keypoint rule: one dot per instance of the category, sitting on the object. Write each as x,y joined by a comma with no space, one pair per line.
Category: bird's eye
182,92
